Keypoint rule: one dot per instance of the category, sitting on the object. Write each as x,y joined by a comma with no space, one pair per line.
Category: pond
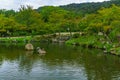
61,62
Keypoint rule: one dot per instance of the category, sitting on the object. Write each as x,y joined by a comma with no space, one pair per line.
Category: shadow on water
61,62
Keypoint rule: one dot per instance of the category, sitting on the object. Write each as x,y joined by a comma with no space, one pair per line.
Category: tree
30,18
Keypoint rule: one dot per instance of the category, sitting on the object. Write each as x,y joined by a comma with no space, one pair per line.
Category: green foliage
16,39
83,40
76,35
116,51
88,8
8,13
49,19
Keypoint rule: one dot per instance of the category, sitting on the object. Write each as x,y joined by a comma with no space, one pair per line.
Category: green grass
93,41
17,39
83,40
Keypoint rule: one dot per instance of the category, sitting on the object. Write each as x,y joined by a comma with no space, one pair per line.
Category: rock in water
41,51
29,47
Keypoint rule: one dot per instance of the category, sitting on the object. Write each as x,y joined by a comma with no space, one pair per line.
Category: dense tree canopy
49,19
88,8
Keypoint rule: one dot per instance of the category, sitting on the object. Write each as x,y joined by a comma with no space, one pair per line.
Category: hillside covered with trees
91,7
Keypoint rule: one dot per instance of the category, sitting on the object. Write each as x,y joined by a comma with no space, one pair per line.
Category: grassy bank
15,39
95,41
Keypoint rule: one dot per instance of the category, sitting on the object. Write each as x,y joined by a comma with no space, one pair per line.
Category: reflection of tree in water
100,67
59,55
97,65
26,61
10,53
1,61
17,53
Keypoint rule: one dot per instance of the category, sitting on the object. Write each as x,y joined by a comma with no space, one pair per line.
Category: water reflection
26,61
29,53
60,63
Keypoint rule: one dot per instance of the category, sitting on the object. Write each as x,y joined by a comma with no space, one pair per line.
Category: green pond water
59,63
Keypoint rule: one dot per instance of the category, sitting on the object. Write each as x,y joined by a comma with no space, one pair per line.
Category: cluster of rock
30,47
